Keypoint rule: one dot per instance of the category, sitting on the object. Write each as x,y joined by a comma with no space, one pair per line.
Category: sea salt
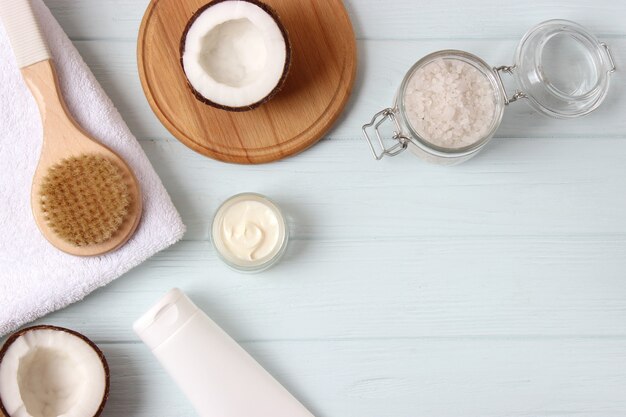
450,103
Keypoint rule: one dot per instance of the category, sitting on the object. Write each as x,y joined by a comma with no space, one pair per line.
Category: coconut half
48,371
235,54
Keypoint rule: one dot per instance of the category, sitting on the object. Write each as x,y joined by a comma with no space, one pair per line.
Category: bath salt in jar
450,103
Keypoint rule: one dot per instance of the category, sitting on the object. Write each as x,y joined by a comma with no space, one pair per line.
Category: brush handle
24,32
43,83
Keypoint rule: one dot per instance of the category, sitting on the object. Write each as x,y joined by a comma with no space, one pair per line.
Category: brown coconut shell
286,67
11,339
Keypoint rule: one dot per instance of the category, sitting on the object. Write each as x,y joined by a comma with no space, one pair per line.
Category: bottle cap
165,317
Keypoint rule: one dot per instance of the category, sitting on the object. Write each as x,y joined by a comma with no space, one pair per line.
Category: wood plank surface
494,288
467,377
336,191
395,288
378,19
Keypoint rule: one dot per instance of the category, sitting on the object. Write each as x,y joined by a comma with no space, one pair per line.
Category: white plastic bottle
217,375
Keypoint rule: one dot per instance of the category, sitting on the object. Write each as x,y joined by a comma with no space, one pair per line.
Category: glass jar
560,69
249,232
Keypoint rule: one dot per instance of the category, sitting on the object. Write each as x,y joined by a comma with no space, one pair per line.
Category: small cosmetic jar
249,232
451,103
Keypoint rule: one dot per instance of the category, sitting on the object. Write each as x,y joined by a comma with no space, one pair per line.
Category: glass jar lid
562,69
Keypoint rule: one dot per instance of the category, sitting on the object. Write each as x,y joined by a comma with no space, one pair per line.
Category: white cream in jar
249,232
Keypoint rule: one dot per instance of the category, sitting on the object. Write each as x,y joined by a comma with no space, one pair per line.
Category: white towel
36,278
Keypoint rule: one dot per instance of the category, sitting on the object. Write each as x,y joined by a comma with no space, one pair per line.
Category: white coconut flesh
51,373
234,54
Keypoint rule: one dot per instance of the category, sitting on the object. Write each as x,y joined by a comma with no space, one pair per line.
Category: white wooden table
495,288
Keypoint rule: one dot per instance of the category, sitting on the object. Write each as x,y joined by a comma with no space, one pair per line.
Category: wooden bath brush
85,198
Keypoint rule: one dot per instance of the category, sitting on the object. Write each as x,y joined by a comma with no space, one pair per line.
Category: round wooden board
320,80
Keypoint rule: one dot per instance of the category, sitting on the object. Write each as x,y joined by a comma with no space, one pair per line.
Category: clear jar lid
562,69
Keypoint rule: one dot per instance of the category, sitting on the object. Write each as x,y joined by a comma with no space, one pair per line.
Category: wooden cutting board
319,83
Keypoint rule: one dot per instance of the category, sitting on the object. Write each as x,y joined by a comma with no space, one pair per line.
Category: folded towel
36,278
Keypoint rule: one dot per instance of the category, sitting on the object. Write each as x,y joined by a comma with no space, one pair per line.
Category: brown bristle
85,199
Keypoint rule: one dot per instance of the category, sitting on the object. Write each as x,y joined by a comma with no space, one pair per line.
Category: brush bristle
85,199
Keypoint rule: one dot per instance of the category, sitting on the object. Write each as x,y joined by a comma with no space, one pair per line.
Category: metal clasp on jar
378,119
518,94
